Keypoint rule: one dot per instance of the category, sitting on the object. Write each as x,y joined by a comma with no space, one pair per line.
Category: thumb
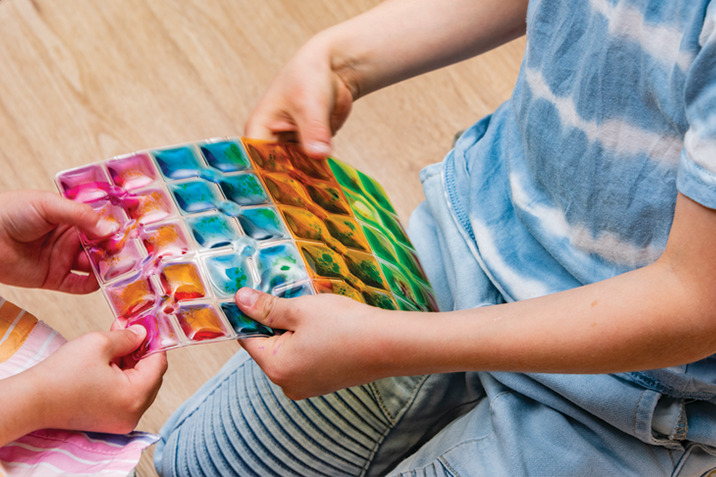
266,309
59,210
312,118
315,139
123,342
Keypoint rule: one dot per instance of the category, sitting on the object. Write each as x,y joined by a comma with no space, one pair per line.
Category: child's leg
239,423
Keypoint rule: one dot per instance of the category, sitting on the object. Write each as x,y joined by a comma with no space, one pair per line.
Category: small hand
81,387
39,245
331,342
307,101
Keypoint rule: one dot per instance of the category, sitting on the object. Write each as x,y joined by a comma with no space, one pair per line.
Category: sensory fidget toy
199,221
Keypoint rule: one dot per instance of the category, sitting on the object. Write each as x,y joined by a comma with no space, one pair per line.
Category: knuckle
271,305
97,339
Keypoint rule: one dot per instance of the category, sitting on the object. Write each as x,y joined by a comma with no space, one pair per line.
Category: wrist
348,59
407,343
22,407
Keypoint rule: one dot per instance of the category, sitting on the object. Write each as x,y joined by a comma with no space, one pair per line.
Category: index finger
148,371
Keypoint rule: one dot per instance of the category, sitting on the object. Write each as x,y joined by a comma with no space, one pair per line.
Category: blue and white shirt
574,179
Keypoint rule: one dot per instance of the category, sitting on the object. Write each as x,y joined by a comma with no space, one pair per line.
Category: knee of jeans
176,454
175,444
161,460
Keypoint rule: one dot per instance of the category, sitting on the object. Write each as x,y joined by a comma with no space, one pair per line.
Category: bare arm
312,95
399,39
660,315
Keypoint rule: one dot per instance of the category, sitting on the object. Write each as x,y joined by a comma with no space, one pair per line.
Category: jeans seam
381,404
636,412
642,378
682,426
379,399
448,466
670,453
393,420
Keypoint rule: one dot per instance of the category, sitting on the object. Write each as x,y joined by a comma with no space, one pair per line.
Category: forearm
399,39
658,316
20,409
613,326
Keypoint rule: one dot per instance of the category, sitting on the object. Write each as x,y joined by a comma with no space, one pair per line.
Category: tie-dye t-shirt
574,179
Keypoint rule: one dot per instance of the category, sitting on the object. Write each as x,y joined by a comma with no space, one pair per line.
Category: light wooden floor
84,80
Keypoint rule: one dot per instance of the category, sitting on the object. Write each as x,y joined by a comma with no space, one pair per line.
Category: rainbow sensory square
199,221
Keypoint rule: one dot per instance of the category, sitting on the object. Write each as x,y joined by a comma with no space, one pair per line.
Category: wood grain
84,80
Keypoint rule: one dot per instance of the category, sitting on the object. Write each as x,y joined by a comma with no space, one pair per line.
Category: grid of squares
199,221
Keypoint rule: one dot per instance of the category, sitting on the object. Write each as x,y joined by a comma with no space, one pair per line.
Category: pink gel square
132,172
149,206
85,184
160,333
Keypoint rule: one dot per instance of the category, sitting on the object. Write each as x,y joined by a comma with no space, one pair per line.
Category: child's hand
331,342
80,387
39,245
308,101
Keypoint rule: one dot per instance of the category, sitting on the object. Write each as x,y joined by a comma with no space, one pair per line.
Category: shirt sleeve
697,165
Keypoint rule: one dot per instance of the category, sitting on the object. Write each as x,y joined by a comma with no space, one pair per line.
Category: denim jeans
459,424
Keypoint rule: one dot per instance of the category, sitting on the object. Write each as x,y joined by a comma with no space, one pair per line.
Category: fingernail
247,297
106,227
318,148
138,330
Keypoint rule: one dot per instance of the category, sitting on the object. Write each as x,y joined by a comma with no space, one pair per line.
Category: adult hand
39,245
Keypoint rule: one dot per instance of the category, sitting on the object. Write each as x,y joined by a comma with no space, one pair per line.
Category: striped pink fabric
52,452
